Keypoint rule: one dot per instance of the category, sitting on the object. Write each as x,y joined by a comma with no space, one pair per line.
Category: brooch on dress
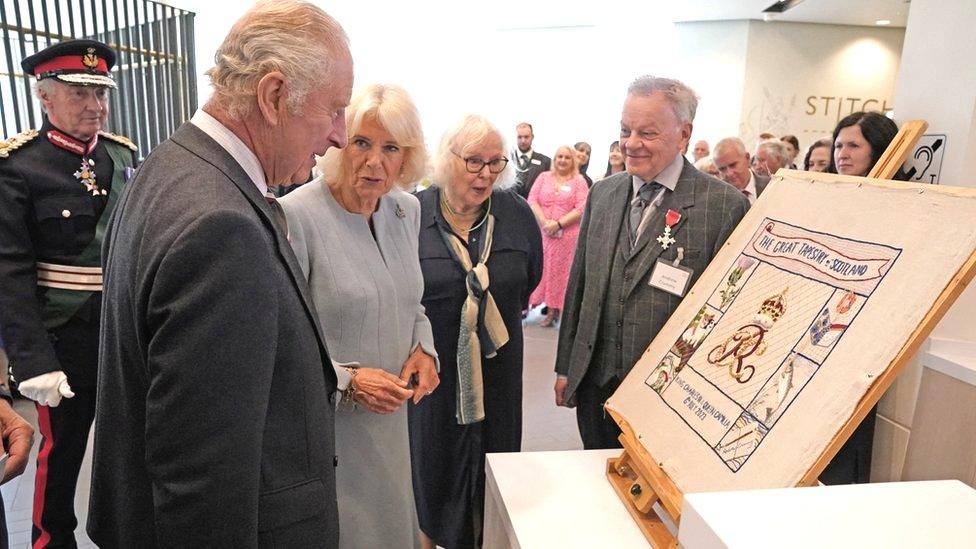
398,211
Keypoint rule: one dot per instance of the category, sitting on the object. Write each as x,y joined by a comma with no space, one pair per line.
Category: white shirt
668,178
234,146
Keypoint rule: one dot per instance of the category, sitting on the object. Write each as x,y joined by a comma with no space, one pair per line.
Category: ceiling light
882,22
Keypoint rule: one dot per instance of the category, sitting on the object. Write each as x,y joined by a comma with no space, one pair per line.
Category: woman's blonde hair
572,155
391,107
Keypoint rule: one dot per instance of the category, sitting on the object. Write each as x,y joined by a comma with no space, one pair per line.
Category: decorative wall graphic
815,297
798,300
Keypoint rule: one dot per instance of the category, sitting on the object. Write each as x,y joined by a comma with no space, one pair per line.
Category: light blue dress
367,294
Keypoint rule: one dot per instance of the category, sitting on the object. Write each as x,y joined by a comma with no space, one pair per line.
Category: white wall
567,72
802,78
937,83
503,60
713,63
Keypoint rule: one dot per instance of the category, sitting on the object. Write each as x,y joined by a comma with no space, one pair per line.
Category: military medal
670,220
86,173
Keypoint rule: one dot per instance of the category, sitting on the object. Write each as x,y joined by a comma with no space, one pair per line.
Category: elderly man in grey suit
735,168
659,222
214,424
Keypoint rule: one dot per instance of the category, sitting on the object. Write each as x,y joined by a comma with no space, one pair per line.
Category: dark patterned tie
279,212
523,161
637,206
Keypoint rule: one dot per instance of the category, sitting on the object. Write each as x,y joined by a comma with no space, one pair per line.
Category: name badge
536,161
670,278
565,188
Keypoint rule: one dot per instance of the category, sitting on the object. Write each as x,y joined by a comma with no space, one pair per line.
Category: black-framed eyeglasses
475,165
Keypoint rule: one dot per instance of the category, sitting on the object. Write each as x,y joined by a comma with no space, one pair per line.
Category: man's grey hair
727,144
777,148
44,87
682,98
293,37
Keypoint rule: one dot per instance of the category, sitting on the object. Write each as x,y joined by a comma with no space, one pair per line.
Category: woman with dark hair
859,140
792,148
615,163
818,155
583,150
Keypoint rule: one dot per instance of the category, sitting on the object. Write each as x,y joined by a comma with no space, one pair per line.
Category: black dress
449,459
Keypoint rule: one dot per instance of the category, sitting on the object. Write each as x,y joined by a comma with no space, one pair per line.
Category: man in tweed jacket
611,311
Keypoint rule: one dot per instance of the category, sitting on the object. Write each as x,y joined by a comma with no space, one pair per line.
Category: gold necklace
452,221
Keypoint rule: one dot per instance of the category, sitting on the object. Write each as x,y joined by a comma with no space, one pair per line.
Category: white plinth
555,499
892,515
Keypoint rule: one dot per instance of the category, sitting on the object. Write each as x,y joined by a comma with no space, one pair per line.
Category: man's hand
560,389
379,391
18,437
425,367
46,389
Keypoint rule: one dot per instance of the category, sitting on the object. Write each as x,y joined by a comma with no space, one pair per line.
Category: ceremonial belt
69,277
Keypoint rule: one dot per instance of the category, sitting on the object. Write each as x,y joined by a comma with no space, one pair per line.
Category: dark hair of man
878,131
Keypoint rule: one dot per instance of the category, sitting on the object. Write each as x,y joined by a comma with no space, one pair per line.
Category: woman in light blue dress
355,234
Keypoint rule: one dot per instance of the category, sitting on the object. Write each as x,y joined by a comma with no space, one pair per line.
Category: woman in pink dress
557,198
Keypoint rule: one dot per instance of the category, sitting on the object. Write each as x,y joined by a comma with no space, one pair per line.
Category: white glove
46,389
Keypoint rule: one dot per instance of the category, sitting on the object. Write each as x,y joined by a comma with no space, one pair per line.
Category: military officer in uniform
58,186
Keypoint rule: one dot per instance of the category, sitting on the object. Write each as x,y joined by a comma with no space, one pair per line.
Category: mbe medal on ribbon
670,220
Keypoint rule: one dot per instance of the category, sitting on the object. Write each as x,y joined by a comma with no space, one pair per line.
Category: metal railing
155,68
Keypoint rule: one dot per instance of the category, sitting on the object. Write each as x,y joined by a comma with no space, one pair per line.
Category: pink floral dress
557,251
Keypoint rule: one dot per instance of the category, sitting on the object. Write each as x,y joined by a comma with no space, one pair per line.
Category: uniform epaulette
120,139
9,145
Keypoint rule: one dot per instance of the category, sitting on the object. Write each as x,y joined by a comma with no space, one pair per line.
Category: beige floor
545,428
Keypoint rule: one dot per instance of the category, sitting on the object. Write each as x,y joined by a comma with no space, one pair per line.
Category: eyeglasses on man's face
475,164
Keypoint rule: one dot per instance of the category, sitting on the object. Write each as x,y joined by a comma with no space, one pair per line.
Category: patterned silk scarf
482,328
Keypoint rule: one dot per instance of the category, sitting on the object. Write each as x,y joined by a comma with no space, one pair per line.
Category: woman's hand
424,366
551,227
379,391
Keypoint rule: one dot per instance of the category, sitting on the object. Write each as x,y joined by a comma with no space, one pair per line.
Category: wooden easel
639,480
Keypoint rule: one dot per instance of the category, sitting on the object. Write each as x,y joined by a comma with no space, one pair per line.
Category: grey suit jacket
710,209
761,182
214,426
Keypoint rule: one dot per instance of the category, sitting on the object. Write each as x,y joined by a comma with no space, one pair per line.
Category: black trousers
597,429
64,432
852,464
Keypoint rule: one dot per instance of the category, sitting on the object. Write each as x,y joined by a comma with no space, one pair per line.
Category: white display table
891,515
555,499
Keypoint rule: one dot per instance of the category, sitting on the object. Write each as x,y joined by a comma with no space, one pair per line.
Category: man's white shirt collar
668,177
751,188
234,146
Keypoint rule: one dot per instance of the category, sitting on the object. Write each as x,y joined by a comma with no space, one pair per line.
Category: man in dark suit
641,228
528,163
734,167
215,423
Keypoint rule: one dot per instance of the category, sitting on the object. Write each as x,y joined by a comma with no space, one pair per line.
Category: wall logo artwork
764,332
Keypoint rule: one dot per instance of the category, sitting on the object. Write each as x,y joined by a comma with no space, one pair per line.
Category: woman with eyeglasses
557,199
481,257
